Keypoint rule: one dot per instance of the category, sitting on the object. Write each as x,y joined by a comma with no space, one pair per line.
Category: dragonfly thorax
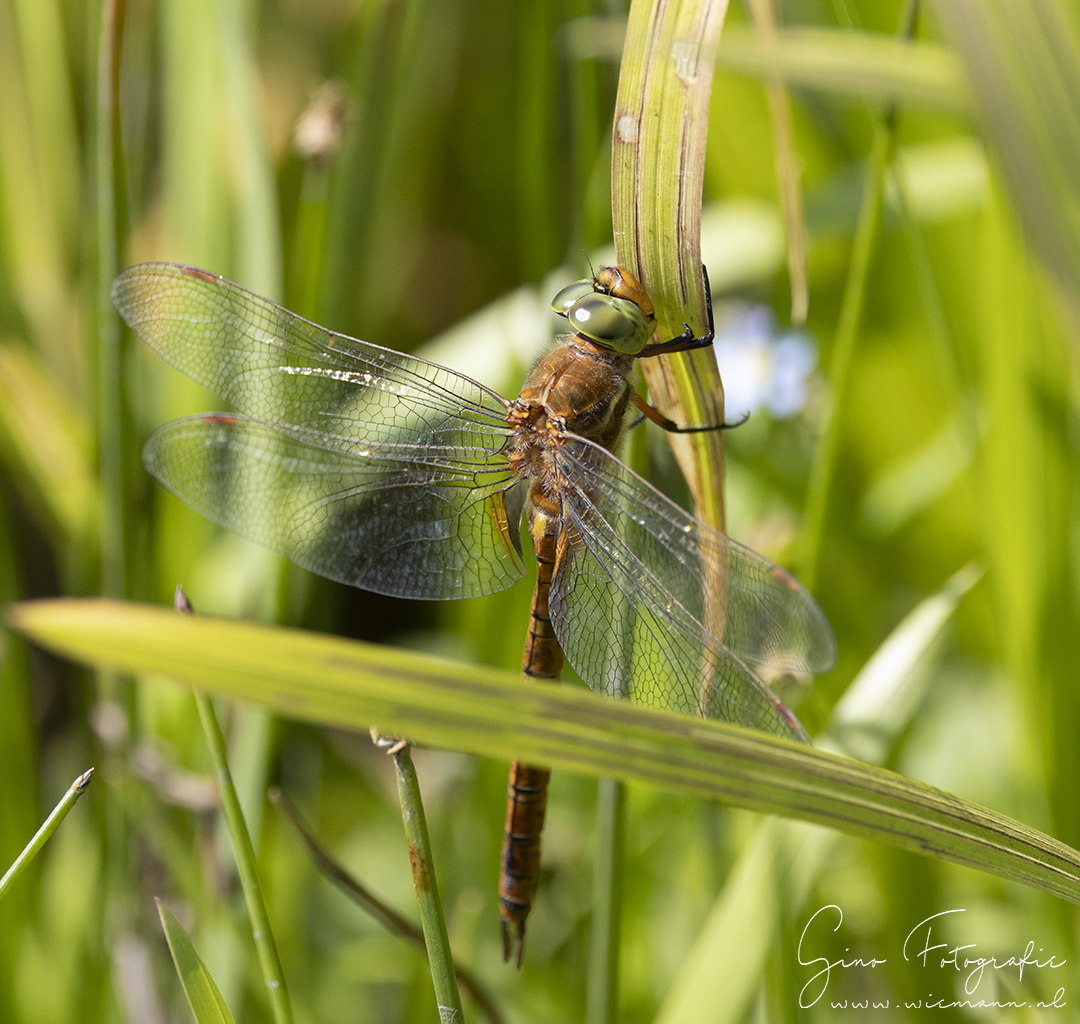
577,388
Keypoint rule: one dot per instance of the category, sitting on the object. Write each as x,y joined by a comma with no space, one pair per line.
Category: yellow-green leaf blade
493,713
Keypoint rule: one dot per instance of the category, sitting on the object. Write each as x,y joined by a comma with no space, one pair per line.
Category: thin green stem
821,474
763,15
601,999
432,918
363,897
110,197
949,365
43,834
246,865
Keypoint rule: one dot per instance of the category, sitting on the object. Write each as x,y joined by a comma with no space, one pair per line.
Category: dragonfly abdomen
526,805
542,657
527,788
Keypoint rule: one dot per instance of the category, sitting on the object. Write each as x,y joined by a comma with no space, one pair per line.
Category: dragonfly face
611,309
394,474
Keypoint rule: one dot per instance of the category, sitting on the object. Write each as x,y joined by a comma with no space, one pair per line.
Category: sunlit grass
473,160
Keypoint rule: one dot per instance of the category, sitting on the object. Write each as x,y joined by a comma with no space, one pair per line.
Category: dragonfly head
612,309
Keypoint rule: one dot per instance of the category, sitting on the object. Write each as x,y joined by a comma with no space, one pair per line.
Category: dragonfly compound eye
615,323
570,295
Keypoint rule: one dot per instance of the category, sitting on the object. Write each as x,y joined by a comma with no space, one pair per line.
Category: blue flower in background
761,368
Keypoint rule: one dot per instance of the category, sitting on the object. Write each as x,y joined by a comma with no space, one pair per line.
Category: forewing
650,603
393,522
767,618
277,367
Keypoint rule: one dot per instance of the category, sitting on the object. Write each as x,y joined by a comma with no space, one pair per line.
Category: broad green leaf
202,994
484,711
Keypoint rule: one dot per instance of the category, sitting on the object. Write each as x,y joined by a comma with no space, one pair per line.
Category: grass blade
110,201
601,1002
1024,63
496,714
202,994
821,474
246,865
432,918
657,169
46,447
48,827
787,171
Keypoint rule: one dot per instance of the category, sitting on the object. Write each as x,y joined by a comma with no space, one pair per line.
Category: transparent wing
651,604
392,524
363,464
279,368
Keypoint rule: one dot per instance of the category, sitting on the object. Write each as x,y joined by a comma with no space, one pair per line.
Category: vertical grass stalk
821,473
787,169
602,981
246,865
432,919
369,902
110,200
601,997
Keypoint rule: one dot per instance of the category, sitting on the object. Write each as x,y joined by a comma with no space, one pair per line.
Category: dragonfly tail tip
512,940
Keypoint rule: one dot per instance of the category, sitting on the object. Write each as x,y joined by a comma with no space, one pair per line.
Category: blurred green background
390,169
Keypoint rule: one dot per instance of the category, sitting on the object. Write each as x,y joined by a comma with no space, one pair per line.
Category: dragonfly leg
672,427
686,341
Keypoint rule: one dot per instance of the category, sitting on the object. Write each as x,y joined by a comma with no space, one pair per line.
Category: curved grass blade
496,714
657,170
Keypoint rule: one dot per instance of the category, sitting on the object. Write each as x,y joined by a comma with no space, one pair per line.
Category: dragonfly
400,476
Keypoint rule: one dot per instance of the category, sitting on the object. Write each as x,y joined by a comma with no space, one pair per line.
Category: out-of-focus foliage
455,155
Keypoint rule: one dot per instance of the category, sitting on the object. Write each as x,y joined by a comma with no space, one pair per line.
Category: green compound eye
571,294
615,323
